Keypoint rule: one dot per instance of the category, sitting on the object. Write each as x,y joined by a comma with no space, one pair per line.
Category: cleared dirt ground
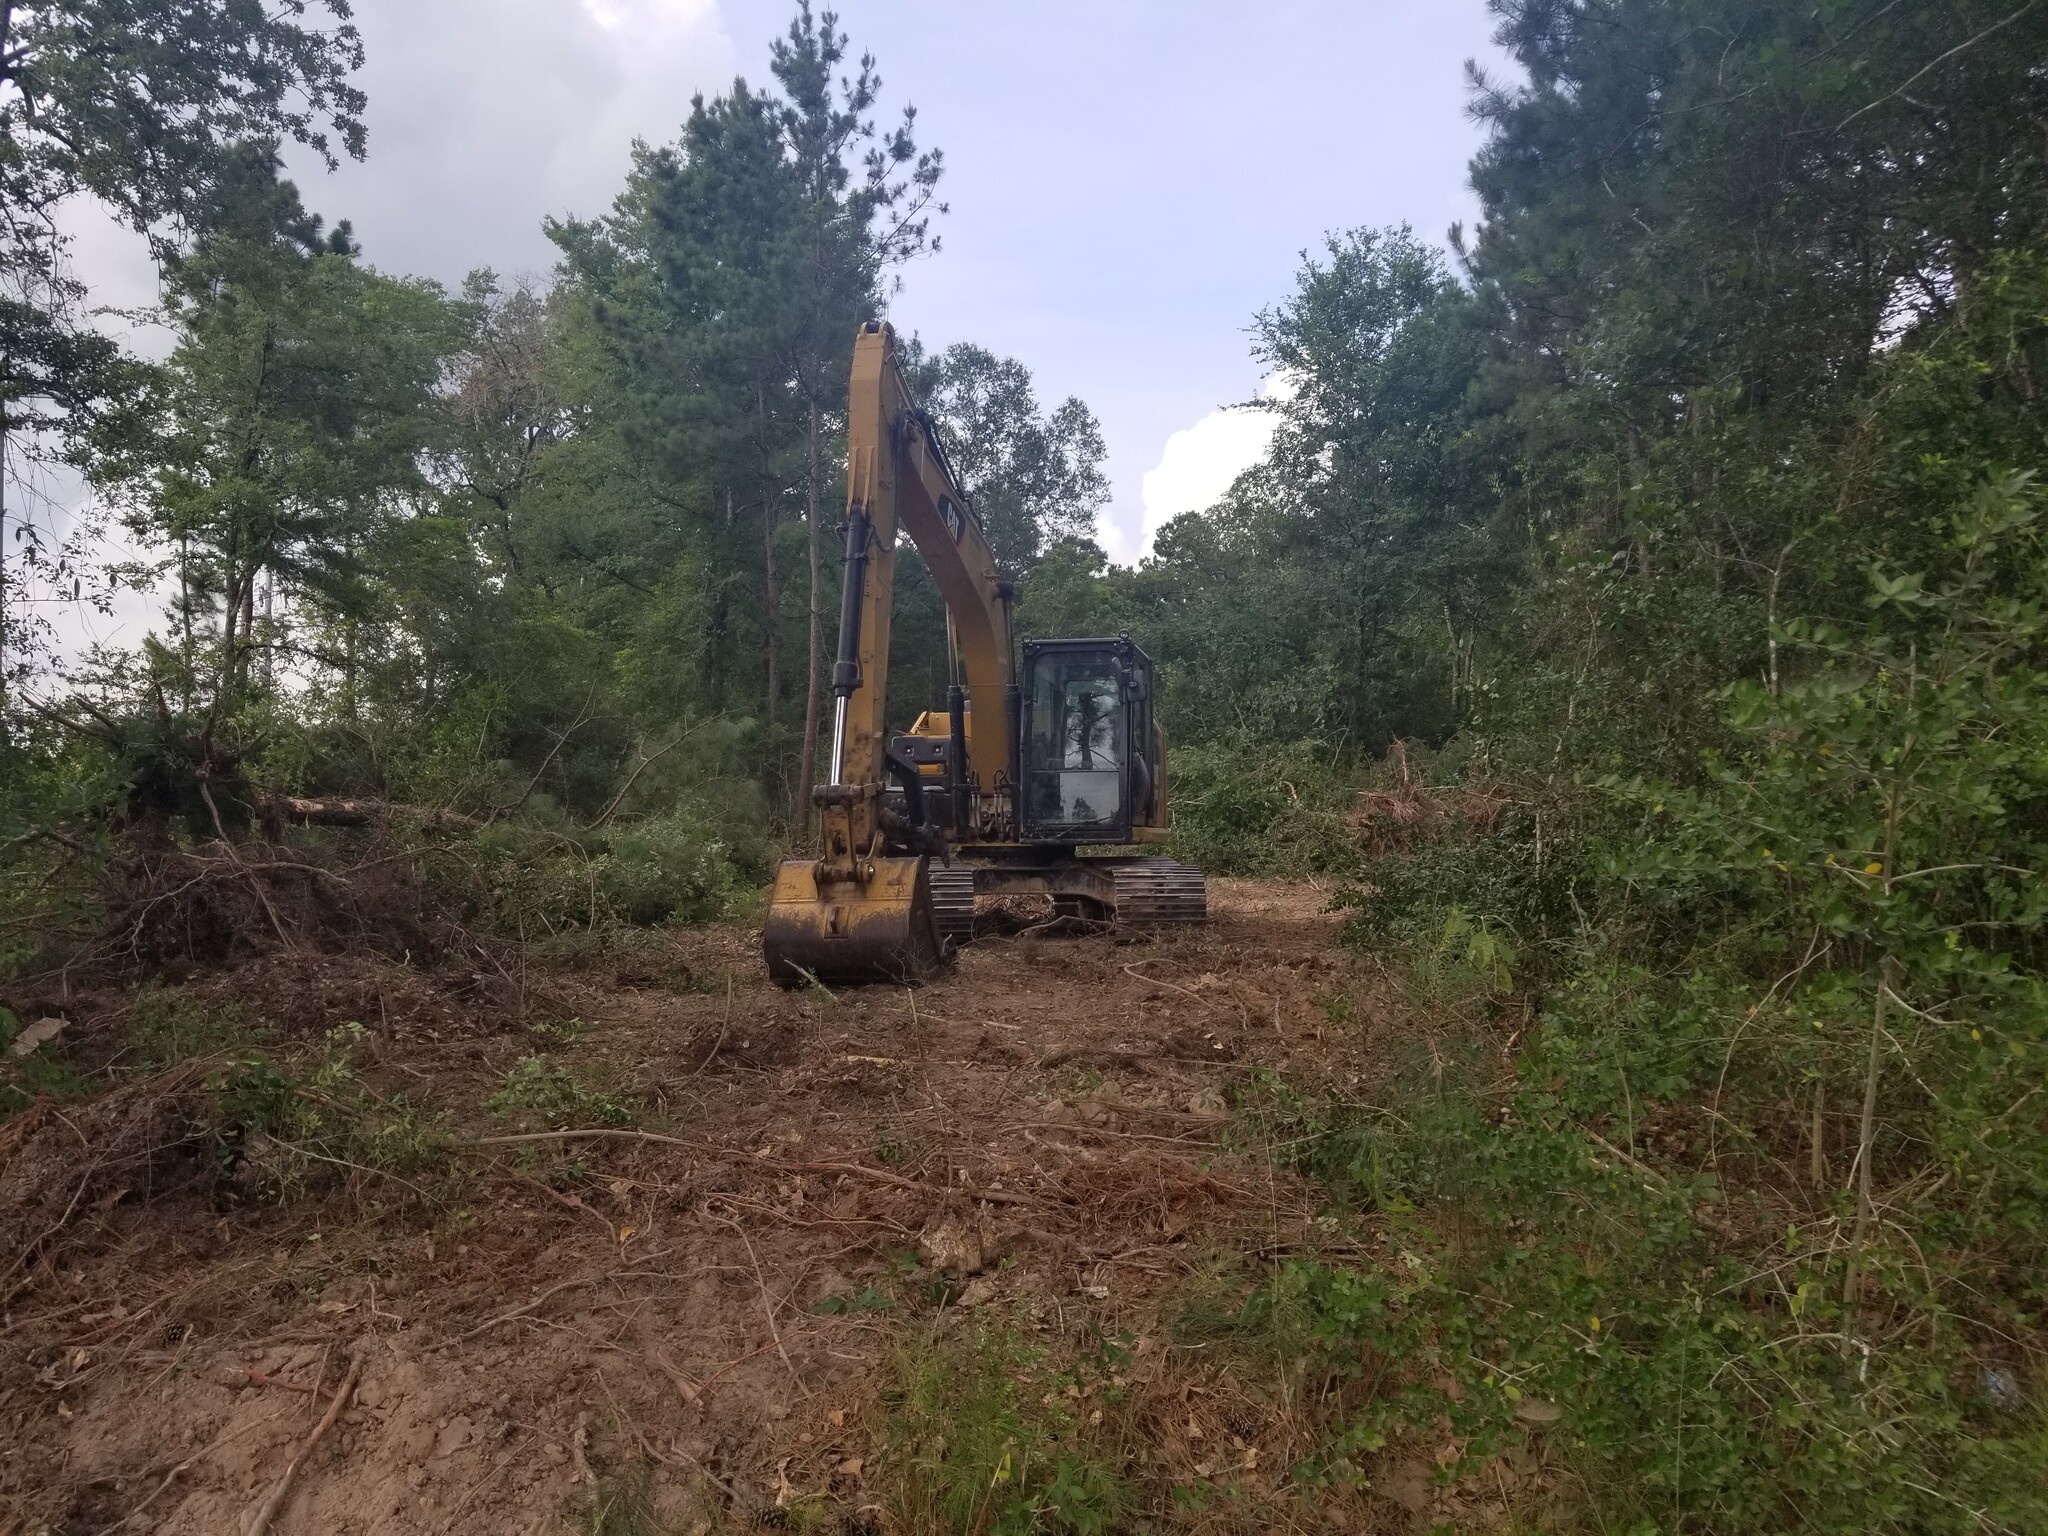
717,1288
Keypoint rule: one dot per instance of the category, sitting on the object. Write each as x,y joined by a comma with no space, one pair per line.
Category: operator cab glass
1085,703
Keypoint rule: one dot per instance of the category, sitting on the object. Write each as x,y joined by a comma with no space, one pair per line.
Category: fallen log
352,811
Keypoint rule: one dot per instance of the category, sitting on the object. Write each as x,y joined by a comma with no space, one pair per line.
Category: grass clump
621,1504
1676,1341
991,1438
539,1095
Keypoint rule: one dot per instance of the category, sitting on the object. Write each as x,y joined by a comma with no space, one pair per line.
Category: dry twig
283,1489
992,1196
768,1306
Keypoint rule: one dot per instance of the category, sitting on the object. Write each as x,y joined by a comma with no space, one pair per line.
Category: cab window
1079,741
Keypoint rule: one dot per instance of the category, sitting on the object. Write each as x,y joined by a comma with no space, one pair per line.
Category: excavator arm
899,484
862,909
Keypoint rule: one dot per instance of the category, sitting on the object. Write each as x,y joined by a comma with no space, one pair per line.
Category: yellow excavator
1047,749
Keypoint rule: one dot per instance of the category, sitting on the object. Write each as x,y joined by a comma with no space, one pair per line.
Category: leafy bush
1761,1221
1249,807
293,1127
675,868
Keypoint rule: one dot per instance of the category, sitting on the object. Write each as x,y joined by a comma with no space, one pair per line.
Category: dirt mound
144,1140
172,908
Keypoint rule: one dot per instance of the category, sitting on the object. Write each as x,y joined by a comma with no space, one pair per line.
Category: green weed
540,1094
554,1033
166,1028
1256,807
866,1299
989,1439
292,1128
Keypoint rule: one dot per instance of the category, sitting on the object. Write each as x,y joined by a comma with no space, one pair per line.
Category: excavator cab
1090,745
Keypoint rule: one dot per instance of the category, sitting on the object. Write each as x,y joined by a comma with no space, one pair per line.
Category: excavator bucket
879,929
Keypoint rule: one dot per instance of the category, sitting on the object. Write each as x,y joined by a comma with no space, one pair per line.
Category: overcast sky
1130,180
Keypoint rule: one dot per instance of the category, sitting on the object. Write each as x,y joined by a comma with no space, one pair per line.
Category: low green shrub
677,868
541,1095
1760,1219
166,1027
1689,1382
289,1127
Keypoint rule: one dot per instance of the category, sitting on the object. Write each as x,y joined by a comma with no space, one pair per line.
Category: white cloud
488,115
1196,467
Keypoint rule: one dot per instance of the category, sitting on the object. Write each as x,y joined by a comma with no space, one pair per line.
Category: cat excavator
1044,752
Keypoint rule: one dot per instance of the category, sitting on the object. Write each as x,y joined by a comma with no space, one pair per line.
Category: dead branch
262,1380
993,1196
583,718
1073,1129
601,1135
532,1306
768,1306
282,1491
660,1360
1158,981
897,1181
566,1201
235,858
1097,1056
646,758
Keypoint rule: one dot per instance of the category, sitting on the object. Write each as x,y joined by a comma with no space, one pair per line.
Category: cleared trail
710,1266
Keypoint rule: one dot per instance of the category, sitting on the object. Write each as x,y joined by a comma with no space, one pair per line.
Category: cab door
1077,744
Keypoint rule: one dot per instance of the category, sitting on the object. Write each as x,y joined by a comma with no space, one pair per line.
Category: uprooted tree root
217,902
1408,812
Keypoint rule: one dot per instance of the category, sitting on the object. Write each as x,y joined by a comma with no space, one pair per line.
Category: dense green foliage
1697,519
137,107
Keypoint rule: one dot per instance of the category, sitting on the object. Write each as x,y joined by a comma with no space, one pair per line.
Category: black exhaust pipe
956,759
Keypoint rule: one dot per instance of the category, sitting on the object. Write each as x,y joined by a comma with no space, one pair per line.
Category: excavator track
953,903
1154,893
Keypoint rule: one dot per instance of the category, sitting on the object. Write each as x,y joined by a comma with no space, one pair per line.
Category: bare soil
1044,1133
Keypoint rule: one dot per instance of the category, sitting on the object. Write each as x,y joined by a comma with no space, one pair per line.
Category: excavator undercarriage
1045,767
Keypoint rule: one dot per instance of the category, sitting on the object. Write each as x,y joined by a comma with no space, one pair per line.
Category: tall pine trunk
4,696
771,576
807,766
